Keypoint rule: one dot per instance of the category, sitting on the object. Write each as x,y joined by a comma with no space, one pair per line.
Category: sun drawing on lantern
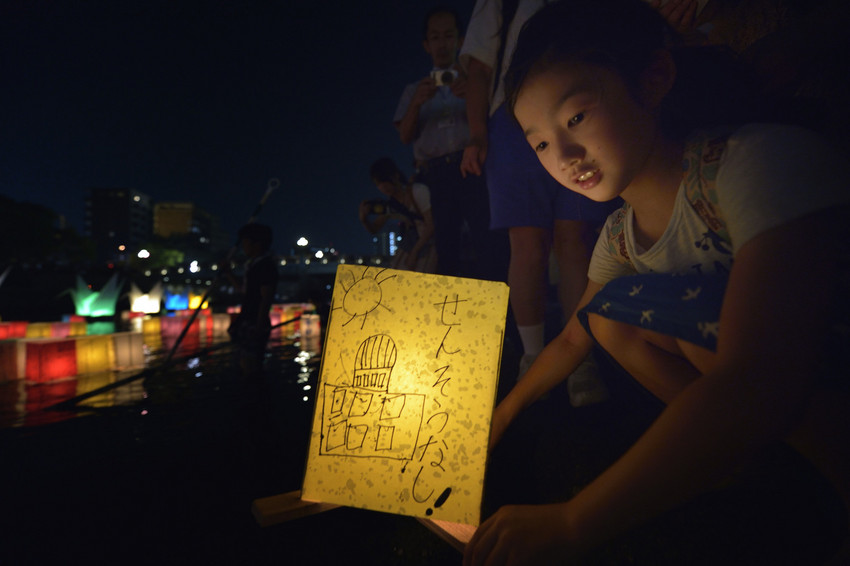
362,295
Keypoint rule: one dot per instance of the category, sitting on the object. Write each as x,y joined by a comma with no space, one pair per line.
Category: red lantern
50,359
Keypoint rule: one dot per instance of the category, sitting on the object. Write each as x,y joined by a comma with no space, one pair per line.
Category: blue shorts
682,306
522,193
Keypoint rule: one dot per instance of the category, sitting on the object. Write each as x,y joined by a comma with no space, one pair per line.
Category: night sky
205,102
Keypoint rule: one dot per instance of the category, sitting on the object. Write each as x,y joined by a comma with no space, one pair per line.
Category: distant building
385,243
185,220
117,220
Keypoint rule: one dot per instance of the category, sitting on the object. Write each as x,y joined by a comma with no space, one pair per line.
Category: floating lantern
309,325
175,301
95,353
38,330
96,303
195,301
406,392
78,328
129,349
13,329
148,303
13,357
221,322
49,359
60,329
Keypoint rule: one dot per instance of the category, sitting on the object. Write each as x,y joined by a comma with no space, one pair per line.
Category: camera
378,207
444,77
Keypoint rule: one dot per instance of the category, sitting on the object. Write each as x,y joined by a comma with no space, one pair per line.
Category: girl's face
587,130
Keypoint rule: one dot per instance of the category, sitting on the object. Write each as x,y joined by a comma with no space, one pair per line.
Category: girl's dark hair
385,169
623,35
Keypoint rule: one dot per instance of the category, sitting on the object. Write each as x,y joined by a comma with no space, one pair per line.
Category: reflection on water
29,403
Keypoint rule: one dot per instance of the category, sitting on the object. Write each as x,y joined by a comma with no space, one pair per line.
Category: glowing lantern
60,329
176,301
95,353
148,303
221,322
195,300
309,325
88,302
13,329
50,359
291,311
13,358
129,349
100,327
38,330
406,393
78,328
151,325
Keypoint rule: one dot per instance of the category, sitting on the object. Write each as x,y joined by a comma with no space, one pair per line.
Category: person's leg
527,279
441,180
662,364
573,258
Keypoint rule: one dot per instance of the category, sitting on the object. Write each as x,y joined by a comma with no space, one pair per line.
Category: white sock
532,338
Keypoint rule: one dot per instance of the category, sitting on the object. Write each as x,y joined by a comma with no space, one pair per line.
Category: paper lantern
88,302
195,300
60,329
78,328
309,325
129,349
49,359
176,300
13,329
100,327
13,358
151,325
95,353
38,330
221,322
406,393
148,303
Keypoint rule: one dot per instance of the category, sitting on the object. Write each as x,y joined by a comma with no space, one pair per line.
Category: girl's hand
517,535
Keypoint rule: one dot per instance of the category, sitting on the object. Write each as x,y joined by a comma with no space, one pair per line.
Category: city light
143,254
302,241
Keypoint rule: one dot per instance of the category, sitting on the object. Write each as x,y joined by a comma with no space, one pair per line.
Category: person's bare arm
554,364
477,112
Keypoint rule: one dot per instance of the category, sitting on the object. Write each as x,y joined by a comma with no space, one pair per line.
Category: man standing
432,116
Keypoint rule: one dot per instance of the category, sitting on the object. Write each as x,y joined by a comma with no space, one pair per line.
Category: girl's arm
554,364
773,317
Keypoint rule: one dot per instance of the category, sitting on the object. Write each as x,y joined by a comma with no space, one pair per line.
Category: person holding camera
410,204
431,115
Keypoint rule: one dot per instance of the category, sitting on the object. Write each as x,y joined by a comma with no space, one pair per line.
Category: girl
716,285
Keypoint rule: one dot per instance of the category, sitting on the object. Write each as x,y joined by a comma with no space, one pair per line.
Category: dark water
164,468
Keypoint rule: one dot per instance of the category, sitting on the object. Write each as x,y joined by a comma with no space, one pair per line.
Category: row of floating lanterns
47,351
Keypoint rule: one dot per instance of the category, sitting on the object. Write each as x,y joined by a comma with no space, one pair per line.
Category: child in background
717,286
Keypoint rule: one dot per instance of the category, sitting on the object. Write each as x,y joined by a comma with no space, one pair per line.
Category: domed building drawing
365,419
